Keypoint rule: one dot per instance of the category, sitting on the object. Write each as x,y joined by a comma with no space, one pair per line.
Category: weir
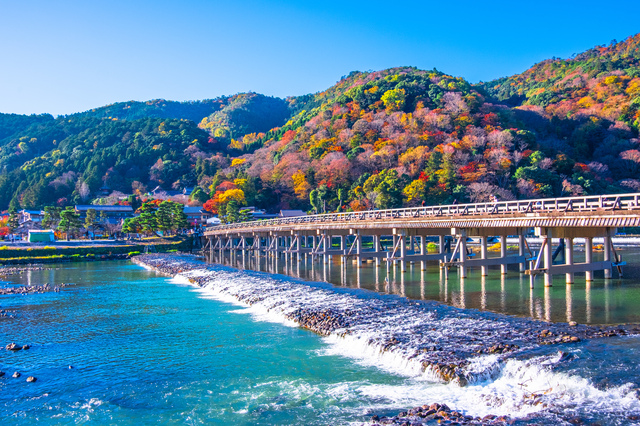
397,237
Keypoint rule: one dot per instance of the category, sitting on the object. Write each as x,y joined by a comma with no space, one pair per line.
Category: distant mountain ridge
374,139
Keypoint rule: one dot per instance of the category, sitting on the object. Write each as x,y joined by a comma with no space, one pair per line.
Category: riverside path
360,236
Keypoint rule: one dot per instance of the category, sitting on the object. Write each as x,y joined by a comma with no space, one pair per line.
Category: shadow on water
602,301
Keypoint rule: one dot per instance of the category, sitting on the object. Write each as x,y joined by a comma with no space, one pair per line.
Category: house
34,216
291,213
197,216
41,236
114,214
259,214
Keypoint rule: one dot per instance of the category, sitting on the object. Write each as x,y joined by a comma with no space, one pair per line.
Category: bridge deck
611,211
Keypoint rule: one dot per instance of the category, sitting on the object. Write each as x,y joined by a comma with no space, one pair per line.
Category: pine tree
90,221
69,220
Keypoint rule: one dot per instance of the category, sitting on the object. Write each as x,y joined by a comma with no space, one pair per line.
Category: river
120,344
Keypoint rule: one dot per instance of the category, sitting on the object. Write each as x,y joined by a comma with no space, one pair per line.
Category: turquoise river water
120,344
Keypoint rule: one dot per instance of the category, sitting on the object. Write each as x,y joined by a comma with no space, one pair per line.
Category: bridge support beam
503,253
607,253
548,257
588,257
568,254
484,270
521,243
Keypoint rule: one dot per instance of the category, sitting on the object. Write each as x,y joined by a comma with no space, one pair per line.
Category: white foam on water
502,386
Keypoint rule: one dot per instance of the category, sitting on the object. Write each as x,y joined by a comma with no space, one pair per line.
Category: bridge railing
541,205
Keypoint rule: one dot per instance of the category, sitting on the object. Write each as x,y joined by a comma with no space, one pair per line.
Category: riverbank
425,338
63,251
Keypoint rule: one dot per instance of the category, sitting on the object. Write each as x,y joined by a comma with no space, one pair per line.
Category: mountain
389,138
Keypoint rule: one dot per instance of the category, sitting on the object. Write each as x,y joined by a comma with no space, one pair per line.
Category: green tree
69,221
90,221
232,213
386,185
245,215
316,202
148,219
13,221
51,217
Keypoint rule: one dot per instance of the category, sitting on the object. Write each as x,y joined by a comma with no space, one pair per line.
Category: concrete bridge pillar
523,266
376,248
503,253
548,257
358,249
463,254
298,247
568,254
403,251
423,252
588,257
607,253
343,247
484,270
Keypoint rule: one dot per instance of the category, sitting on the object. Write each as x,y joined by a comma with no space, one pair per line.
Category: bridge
362,235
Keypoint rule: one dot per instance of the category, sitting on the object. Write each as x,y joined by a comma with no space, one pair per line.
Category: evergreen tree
232,213
90,221
13,221
69,220
164,217
51,216
179,217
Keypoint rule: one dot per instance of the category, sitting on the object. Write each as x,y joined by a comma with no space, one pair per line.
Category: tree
232,212
90,221
314,199
69,221
13,221
170,216
51,216
147,220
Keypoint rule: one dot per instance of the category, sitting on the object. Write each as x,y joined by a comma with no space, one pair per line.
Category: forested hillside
375,139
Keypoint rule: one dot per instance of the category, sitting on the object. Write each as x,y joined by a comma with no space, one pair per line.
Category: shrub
133,253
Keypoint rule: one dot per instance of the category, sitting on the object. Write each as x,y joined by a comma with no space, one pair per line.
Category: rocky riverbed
28,289
15,270
437,341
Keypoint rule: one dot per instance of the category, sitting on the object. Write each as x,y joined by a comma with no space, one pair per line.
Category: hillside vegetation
391,138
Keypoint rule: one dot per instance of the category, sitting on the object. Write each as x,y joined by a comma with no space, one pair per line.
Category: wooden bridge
361,235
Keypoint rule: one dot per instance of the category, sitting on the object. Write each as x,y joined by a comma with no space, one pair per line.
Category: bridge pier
568,254
548,257
588,255
607,253
503,253
484,269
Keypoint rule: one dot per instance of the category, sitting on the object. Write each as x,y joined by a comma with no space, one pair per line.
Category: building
34,216
291,213
114,214
260,214
41,236
197,216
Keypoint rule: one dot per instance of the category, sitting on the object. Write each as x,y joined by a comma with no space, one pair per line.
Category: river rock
16,375
13,347
31,379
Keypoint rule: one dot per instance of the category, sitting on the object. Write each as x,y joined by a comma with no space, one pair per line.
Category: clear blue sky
67,56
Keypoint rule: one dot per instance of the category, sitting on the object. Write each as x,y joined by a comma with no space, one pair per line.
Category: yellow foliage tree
232,194
300,185
414,192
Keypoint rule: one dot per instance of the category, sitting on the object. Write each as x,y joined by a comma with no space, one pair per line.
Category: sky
67,56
